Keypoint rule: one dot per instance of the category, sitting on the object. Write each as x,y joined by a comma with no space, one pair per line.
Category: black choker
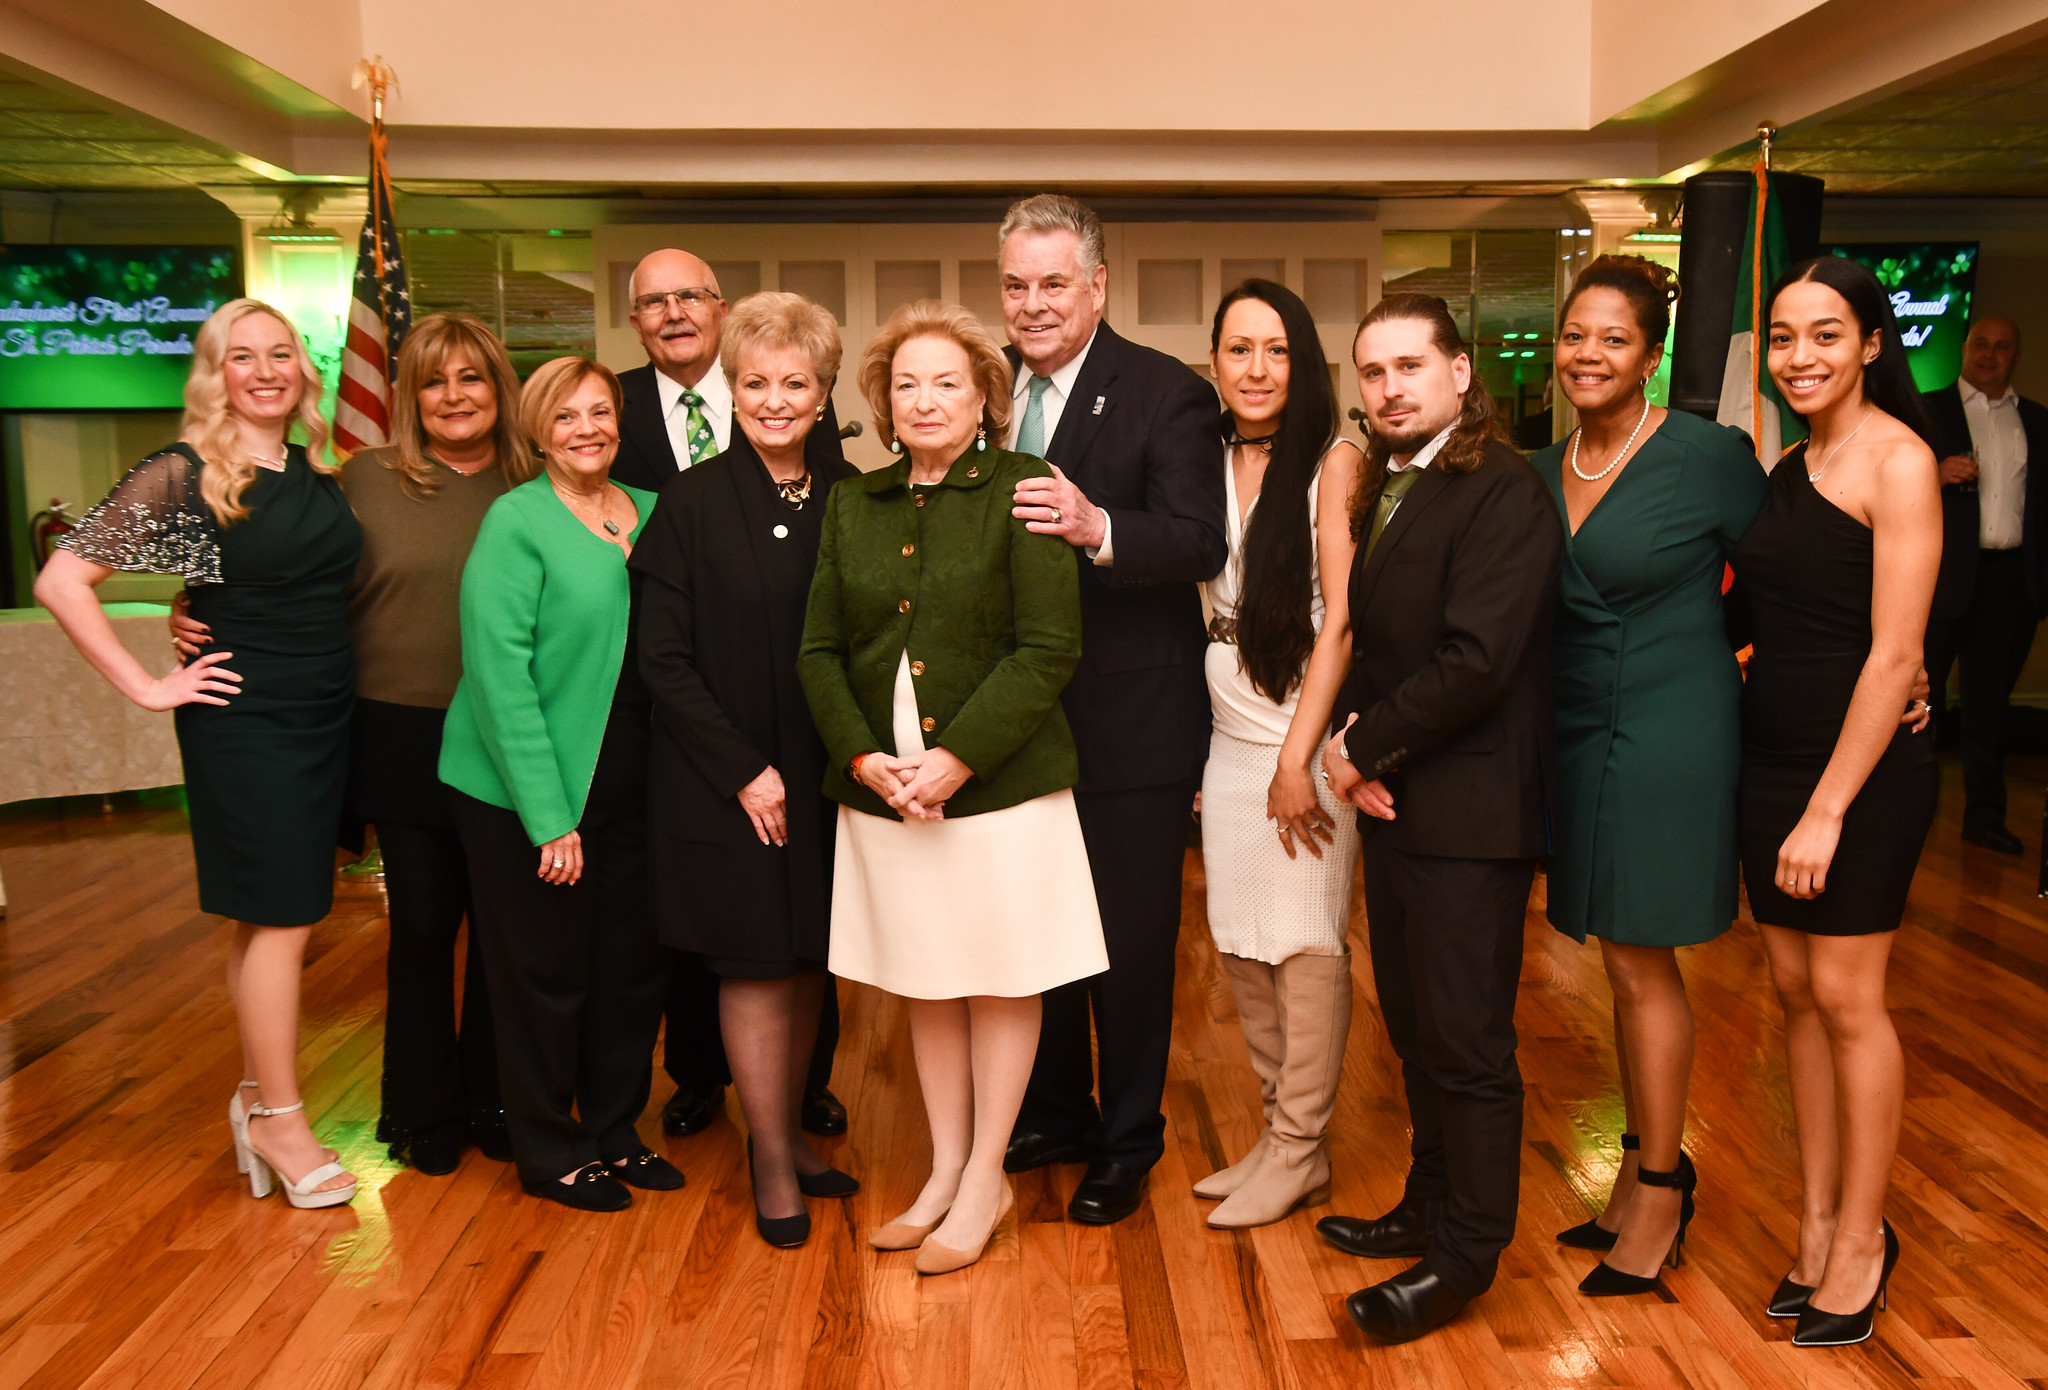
1264,441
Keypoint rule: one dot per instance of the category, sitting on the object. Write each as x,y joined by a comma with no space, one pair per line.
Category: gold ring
1056,515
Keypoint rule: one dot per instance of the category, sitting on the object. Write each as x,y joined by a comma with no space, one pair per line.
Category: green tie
703,443
1391,493
1031,434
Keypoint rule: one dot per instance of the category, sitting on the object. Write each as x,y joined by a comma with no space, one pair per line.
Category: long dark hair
1477,425
1887,379
1275,625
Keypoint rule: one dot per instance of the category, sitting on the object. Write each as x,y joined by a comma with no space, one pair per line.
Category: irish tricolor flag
1749,398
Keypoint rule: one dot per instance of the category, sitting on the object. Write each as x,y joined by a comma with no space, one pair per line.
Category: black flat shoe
1591,1235
1993,837
691,1112
784,1232
1819,1329
1411,1303
1108,1194
648,1171
822,1113
1605,1281
593,1190
1402,1233
436,1152
487,1131
1029,1149
1790,1299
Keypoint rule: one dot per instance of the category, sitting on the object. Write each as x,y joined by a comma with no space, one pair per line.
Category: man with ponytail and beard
1445,742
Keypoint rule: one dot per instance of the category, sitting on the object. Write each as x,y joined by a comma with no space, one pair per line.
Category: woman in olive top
940,634
420,502
545,750
1648,717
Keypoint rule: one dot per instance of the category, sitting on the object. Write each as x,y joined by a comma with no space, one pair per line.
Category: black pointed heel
1591,1235
1823,1329
1790,1299
1605,1281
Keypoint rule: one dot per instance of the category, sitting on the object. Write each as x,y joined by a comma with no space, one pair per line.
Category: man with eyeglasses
678,413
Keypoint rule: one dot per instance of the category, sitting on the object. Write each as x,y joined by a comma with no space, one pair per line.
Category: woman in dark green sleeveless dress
1649,723
266,543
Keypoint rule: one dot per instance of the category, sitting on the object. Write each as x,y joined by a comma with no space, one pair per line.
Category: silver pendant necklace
1616,461
1814,477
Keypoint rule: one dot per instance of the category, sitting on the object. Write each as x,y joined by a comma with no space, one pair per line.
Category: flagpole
1765,133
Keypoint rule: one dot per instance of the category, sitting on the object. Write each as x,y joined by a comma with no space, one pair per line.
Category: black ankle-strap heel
1605,1281
1591,1235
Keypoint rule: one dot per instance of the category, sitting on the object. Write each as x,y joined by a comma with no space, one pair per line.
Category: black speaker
1716,207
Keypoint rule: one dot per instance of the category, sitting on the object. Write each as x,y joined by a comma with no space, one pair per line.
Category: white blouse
1241,711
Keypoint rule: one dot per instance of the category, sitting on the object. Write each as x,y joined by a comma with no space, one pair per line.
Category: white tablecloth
64,731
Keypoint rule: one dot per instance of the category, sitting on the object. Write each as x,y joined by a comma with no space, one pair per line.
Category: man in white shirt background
678,413
1990,597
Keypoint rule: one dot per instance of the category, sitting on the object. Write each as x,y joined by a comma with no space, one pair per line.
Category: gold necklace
794,494
604,505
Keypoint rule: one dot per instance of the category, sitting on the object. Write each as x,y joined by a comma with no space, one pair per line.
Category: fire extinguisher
45,526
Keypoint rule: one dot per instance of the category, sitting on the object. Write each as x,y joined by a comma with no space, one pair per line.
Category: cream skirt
1262,905
1000,903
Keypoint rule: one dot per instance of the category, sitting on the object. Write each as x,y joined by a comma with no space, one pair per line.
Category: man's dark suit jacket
1960,520
647,459
1450,662
1138,437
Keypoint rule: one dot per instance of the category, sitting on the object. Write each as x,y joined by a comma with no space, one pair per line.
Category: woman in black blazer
741,834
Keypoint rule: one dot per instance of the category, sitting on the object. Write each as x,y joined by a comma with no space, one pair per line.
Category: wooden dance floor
131,1254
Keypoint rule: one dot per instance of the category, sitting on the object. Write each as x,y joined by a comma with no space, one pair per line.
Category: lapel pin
1099,402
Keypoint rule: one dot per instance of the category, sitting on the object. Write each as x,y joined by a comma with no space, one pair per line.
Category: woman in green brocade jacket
939,636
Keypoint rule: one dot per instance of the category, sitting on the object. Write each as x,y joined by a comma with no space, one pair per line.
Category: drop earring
821,414
980,440
895,446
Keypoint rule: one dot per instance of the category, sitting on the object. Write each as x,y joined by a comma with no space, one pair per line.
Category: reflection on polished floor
131,1254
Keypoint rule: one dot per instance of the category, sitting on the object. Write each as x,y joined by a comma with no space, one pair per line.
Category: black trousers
1992,639
693,1048
1137,846
576,975
435,1073
1446,940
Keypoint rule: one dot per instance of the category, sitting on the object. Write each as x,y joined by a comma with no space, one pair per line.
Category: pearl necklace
1815,477
1615,462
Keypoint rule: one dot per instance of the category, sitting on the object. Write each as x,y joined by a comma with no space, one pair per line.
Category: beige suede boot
1258,1013
1315,1006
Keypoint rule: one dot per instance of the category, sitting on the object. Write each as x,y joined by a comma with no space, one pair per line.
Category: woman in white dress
939,635
1279,848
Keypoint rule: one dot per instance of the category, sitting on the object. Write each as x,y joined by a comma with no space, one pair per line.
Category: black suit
1450,677
1987,603
1138,437
693,1051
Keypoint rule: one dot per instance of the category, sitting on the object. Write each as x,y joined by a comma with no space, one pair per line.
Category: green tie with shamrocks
703,443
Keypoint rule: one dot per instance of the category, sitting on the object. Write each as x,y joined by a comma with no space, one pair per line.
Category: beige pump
1314,997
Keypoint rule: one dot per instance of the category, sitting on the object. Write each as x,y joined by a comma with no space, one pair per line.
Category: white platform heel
238,1125
301,1193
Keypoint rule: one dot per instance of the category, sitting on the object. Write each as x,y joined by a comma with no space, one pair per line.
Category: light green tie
1391,493
1031,434
697,430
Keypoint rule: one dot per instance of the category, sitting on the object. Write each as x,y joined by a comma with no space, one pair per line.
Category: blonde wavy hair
931,318
552,383
209,424
773,319
426,352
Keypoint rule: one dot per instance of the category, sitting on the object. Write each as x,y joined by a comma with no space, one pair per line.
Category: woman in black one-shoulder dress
1834,578
264,538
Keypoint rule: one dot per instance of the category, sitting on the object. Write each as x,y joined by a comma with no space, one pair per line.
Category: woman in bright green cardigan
545,750
940,633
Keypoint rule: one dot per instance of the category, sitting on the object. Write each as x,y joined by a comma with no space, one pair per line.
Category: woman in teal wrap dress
1649,738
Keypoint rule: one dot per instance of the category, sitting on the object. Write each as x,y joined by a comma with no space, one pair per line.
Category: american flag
379,313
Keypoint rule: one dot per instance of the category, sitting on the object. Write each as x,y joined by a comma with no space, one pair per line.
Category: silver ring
558,863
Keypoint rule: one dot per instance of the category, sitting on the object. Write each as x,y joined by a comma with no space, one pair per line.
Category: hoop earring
980,439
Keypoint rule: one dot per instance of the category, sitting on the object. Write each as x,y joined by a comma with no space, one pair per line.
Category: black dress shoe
784,1232
487,1131
436,1152
830,1183
1411,1303
593,1190
1821,1329
1108,1193
1993,837
822,1114
1790,1299
691,1112
648,1171
1402,1233
1029,1149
